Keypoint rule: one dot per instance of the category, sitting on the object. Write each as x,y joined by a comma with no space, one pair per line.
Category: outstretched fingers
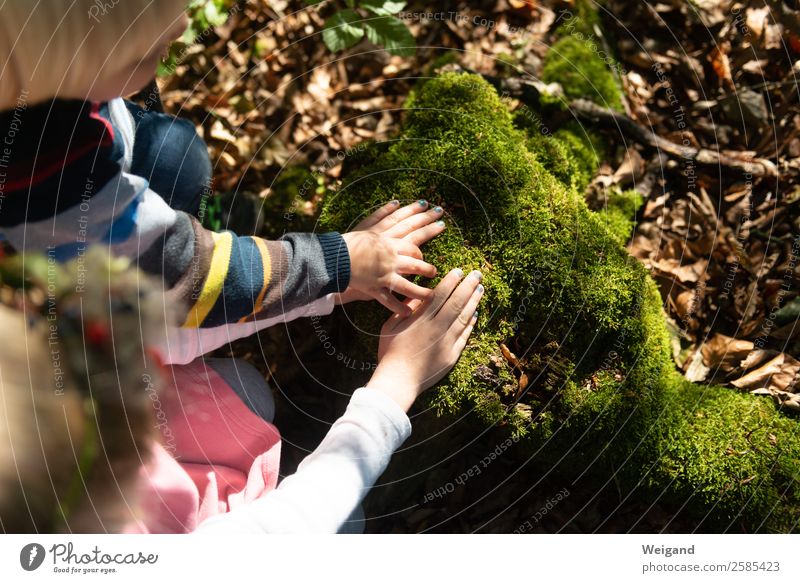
399,215
411,290
424,234
442,291
406,248
414,222
378,216
464,321
468,312
410,266
458,301
463,337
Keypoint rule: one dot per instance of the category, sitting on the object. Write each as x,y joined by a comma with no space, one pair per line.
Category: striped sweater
61,190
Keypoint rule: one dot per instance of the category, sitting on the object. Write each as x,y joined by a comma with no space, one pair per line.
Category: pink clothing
216,455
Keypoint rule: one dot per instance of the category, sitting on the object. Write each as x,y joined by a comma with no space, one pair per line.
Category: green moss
569,159
580,20
577,62
619,212
732,453
584,316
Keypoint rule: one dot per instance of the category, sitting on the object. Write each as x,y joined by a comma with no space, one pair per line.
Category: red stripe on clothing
91,133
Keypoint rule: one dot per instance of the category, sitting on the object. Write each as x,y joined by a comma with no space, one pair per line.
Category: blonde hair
37,419
76,420
63,48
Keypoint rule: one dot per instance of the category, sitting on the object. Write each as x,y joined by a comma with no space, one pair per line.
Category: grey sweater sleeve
225,279
317,265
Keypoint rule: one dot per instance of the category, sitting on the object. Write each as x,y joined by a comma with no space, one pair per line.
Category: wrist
336,257
395,382
362,247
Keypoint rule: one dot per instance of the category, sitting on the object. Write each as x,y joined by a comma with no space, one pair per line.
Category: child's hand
384,247
417,351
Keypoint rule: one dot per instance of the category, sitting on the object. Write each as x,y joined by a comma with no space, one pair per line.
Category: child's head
82,49
76,419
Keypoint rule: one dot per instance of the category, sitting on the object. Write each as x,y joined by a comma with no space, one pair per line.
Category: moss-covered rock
594,385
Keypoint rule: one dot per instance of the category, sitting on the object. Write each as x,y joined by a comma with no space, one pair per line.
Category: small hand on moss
417,351
384,247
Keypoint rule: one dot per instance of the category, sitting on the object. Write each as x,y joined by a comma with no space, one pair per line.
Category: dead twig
590,112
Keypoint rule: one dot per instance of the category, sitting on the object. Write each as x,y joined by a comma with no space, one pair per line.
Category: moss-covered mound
571,351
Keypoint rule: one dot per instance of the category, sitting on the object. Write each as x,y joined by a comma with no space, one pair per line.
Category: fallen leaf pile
722,244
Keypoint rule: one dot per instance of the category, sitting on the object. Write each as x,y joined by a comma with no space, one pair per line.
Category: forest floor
278,109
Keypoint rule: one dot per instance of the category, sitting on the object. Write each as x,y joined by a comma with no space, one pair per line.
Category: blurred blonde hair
36,421
76,420
62,48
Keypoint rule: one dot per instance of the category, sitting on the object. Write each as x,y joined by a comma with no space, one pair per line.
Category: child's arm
401,229
227,279
238,279
415,353
331,482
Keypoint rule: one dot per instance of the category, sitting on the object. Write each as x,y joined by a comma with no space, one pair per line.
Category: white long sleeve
332,481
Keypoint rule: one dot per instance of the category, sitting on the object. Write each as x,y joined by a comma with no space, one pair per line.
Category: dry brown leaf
779,373
510,357
721,64
220,132
755,67
683,273
773,36
757,358
755,20
697,371
522,385
781,398
684,304
725,352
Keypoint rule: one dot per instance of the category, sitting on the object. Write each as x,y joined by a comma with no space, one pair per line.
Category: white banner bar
400,558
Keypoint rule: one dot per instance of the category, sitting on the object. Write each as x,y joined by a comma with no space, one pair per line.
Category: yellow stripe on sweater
267,270
212,288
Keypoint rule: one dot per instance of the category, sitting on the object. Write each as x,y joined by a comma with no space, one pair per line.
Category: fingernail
438,209
440,223
394,202
475,315
458,271
423,202
477,274
480,289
